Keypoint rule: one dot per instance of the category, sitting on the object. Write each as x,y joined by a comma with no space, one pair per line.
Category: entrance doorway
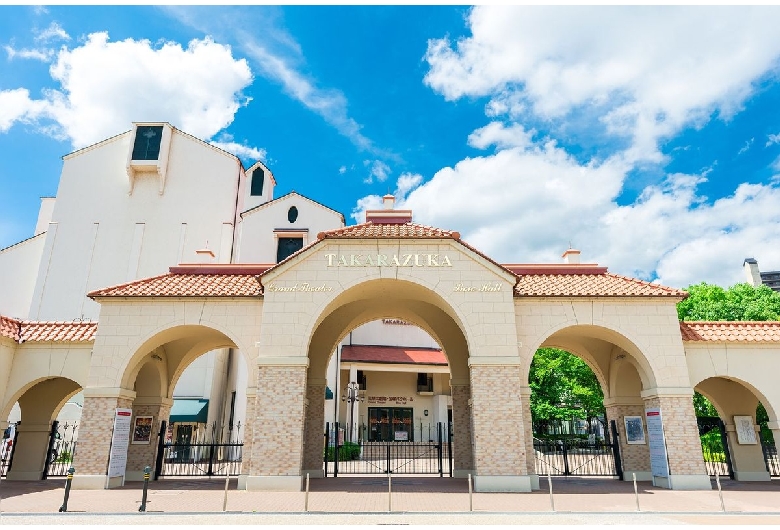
390,424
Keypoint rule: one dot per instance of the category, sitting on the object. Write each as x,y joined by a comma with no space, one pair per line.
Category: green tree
563,387
739,302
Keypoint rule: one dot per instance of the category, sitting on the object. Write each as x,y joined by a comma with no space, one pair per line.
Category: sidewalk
369,495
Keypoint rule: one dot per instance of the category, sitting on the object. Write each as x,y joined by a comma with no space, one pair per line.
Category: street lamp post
351,395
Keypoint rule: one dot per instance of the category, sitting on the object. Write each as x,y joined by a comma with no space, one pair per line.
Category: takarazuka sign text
385,260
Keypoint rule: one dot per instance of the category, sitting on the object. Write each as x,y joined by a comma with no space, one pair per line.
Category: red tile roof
217,285
392,355
9,328
37,331
57,331
388,231
730,331
601,285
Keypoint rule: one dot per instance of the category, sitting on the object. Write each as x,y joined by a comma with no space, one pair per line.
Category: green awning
328,393
189,411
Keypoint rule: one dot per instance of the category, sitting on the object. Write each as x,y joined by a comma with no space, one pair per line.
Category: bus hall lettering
384,260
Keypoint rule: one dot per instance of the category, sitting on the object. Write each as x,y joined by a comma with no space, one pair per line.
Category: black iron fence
213,458
715,446
770,457
7,446
430,454
575,457
61,448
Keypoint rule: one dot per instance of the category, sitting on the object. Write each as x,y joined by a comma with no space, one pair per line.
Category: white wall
258,242
105,235
379,333
18,268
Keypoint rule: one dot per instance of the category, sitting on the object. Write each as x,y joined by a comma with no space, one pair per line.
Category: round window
292,214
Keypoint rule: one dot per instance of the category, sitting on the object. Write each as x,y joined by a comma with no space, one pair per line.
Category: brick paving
367,495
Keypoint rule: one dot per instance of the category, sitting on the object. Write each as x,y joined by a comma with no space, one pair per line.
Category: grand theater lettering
384,260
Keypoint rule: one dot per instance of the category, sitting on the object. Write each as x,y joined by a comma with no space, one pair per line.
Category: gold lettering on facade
303,287
484,288
383,260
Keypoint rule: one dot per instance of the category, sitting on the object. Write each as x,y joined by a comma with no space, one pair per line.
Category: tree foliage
563,387
739,302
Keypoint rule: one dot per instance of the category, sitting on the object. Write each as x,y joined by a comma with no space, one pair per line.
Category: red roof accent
388,231
392,355
201,284
221,268
10,328
37,331
554,268
730,331
600,285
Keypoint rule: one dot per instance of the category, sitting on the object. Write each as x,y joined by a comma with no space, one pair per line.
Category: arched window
258,177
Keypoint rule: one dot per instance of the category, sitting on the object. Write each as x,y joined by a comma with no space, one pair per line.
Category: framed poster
142,430
635,431
746,432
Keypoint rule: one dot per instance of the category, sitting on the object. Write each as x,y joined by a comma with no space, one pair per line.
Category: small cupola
571,256
388,215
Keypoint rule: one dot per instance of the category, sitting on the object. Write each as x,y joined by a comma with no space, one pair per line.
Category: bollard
224,500
636,493
142,508
549,483
389,492
720,492
306,498
471,500
64,507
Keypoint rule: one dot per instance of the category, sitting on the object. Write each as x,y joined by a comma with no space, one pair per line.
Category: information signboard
659,463
120,439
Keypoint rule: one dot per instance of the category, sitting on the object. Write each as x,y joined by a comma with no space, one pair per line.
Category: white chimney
388,201
750,266
572,256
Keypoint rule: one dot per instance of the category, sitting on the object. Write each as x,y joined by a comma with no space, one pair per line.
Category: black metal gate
771,459
61,449
431,456
7,446
573,456
715,446
198,459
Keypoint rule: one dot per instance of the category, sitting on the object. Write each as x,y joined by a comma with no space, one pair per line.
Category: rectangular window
147,142
232,410
361,380
288,246
425,382
258,178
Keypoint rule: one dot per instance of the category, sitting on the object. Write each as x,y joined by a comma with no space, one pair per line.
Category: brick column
142,455
250,424
95,429
683,446
528,433
314,428
462,457
500,459
635,457
275,426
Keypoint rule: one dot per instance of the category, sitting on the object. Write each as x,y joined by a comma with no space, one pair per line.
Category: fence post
388,458
389,492
616,449
64,507
724,440
212,450
449,448
224,500
439,447
158,461
306,498
720,492
636,493
50,446
565,459
549,483
336,452
327,447
142,508
471,499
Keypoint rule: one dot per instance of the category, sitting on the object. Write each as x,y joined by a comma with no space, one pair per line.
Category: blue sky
647,137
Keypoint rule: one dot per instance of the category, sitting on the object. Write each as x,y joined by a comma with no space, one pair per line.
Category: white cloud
651,70
406,183
107,85
38,54
16,105
772,139
745,148
498,134
53,32
376,170
242,151
342,170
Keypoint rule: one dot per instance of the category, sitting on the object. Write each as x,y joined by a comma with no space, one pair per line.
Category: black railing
7,446
715,446
61,449
575,457
200,460
433,456
770,457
